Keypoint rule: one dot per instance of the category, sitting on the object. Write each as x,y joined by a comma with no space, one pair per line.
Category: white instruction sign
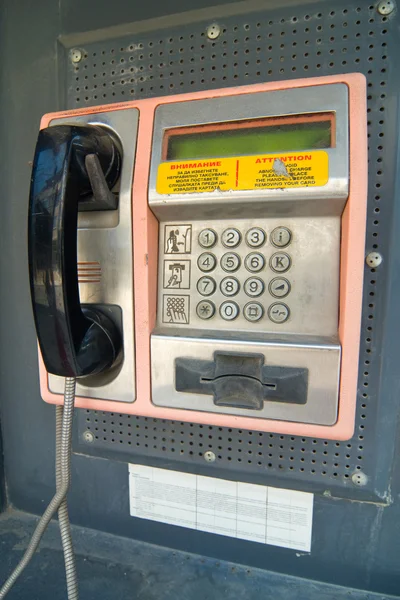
241,510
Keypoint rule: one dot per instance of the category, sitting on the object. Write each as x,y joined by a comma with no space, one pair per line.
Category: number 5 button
206,261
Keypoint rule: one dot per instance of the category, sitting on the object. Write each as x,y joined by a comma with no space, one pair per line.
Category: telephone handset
70,163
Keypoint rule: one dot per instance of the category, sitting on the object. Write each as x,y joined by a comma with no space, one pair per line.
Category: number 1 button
207,238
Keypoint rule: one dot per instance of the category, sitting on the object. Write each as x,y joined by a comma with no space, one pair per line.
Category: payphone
232,264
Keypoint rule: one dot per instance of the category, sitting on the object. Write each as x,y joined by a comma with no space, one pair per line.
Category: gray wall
354,542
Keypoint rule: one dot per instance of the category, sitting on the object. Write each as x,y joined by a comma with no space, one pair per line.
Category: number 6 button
206,261
254,262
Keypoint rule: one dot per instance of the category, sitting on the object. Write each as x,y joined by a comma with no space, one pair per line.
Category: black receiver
71,164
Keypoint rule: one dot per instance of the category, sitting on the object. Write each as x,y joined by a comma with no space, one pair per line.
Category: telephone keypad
207,261
231,238
245,276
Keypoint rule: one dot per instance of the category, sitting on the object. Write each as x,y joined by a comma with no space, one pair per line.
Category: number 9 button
254,287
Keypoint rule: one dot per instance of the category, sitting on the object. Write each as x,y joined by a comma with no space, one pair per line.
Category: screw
76,55
209,456
373,259
213,31
88,437
359,478
385,7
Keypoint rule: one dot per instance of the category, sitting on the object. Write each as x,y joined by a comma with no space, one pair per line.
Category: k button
280,262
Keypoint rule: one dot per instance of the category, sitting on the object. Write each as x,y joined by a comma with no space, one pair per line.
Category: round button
281,237
254,287
230,262
254,262
205,309
207,238
279,287
255,237
206,261
253,311
229,310
206,286
278,312
229,286
280,262
231,238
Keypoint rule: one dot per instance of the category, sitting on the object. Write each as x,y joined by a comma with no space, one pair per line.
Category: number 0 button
254,262
207,238
255,237
229,286
229,310
231,238
206,261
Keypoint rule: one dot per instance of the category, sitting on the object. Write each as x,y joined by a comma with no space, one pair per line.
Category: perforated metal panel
285,44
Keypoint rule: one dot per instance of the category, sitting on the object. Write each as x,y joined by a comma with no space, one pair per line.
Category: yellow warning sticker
267,171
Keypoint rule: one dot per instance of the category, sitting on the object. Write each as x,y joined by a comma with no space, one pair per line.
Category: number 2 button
206,261
231,238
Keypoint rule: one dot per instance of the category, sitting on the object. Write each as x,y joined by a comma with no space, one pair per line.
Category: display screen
261,136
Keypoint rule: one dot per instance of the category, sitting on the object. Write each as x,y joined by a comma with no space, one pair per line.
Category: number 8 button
229,286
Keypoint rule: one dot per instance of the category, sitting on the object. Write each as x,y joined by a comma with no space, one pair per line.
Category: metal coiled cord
63,459
63,517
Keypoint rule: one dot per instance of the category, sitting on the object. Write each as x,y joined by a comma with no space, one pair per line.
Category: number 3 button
255,237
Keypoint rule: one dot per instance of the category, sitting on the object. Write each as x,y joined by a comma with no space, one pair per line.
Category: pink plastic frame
145,236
